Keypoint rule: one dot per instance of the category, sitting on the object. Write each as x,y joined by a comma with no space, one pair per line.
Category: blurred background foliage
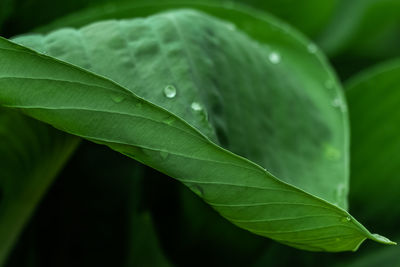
107,210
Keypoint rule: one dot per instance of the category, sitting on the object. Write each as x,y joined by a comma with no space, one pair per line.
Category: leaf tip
382,239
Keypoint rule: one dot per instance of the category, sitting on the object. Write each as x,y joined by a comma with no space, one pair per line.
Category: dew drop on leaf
117,98
346,219
340,191
274,58
312,48
170,91
197,189
231,26
337,102
164,154
331,153
196,106
169,120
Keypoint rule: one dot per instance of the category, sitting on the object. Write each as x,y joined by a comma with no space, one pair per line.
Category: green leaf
187,82
31,155
186,225
365,28
309,16
374,96
18,16
6,6
301,15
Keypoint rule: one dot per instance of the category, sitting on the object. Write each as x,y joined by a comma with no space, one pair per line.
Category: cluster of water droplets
171,92
338,102
346,219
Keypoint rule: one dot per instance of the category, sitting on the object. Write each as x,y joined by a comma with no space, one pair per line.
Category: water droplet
338,103
346,219
274,58
331,152
197,189
312,48
164,154
340,191
170,91
117,98
169,120
196,106
231,26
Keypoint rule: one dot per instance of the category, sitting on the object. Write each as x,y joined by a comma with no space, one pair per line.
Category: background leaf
93,215
363,28
191,232
310,16
388,256
374,97
31,155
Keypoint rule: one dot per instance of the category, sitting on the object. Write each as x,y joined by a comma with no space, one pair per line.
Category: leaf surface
180,83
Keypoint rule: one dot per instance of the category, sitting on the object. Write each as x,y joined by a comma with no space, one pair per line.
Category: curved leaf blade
100,110
314,159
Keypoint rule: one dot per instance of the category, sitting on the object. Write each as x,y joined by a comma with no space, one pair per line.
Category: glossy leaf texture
364,28
31,155
374,98
180,83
